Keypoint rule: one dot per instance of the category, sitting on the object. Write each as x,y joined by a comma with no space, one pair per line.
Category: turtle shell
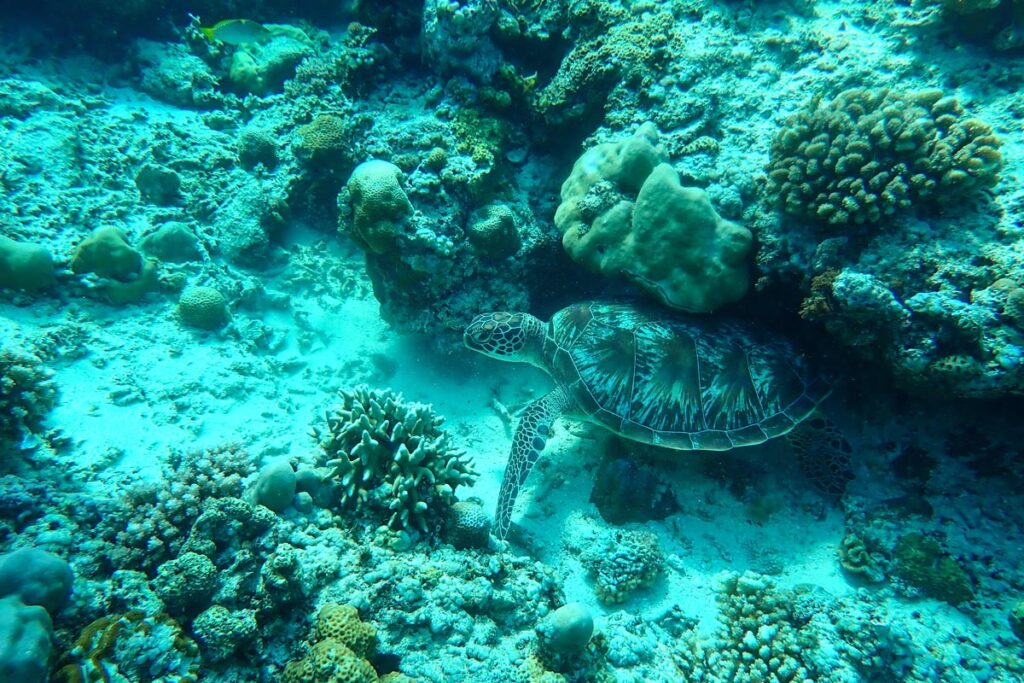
683,383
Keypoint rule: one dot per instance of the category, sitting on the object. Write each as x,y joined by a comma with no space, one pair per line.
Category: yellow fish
236,31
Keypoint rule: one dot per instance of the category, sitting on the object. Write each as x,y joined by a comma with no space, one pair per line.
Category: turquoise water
301,378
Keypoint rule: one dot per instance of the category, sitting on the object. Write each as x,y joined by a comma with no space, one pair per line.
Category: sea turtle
685,383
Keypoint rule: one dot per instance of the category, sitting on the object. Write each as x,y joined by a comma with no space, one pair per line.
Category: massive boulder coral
625,214
25,266
392,457
870,153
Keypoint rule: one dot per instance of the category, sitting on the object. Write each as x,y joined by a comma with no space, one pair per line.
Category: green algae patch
922,563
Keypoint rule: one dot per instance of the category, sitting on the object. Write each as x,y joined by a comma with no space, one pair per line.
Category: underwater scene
512,341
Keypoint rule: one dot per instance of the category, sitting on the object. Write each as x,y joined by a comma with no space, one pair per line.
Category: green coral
342,623
922,563
257,146
392,457
870,153
204,308
107,253
27,394
325,140
493,233
263,68
222,632
482,137
622,48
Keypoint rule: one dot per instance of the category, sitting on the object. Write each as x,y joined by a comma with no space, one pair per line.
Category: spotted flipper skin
530,438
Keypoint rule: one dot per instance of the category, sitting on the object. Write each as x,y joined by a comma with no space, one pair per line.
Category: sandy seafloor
139,384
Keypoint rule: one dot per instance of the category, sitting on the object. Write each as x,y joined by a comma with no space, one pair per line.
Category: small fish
236,31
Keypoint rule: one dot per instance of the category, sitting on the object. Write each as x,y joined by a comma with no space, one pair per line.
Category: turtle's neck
534,331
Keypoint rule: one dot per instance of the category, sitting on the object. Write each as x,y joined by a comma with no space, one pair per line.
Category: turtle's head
506,336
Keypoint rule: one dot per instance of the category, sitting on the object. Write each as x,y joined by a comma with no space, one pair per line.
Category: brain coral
203,307
378,204
872,152
391,456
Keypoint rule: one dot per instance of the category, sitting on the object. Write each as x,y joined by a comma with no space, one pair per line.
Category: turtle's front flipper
823,452
529,440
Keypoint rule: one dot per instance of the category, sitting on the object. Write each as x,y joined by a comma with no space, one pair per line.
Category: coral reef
858,561
172,242
378,204
341,644
157,517
25,640
392,457
275,485
107,253
469,525
261,68
921,562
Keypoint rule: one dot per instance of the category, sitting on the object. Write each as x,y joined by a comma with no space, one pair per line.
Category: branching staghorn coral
27,393
393,456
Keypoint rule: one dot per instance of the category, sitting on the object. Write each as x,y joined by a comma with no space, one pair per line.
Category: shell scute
687,384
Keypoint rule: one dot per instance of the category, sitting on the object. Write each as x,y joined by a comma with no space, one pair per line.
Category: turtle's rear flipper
823,452
530,438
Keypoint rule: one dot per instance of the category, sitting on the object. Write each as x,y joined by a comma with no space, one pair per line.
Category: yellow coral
341,623
325,139
330,661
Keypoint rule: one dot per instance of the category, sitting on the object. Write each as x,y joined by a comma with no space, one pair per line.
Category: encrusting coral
392,456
